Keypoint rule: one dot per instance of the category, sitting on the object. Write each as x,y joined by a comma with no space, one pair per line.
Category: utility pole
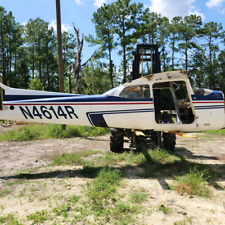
59,43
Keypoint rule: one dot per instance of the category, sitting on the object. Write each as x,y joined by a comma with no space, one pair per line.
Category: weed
193,183
9,219
62,210
138,196
4,192
184,222
164,209
74,199
73,158
162,156
39,216
102,189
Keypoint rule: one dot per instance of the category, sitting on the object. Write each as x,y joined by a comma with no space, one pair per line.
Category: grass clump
74,158
9,220
103,188
44,131
138,196
164,209
39,216
106,204
162,156
4,192
193,183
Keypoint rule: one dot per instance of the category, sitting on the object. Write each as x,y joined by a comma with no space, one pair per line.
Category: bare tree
76,65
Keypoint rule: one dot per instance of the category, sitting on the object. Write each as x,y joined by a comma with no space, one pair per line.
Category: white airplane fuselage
143,108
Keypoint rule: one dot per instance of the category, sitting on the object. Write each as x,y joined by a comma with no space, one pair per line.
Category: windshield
112,92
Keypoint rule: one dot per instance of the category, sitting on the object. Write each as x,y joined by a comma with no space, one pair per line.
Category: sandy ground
18,157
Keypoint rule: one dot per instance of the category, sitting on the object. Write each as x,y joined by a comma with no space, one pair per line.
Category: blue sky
80,12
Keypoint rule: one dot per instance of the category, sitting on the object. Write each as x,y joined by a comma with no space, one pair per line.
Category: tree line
28,53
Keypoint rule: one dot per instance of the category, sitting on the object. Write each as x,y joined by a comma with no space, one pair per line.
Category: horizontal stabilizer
14,94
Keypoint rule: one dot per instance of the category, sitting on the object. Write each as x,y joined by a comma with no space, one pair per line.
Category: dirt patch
52,184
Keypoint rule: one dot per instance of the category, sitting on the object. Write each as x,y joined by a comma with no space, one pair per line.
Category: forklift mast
145,55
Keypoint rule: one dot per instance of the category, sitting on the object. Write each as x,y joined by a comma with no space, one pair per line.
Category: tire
169,141
116,140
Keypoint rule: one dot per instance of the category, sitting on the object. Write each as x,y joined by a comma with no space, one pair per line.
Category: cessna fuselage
160,102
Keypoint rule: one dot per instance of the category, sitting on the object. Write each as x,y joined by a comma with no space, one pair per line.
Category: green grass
164,209
74,158
44,131
138,196
4,192
215,132
103,188
39,216
193,183
9,220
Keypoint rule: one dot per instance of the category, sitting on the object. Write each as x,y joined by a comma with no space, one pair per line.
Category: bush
44,131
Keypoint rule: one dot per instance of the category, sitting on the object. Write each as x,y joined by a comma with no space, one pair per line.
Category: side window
136,92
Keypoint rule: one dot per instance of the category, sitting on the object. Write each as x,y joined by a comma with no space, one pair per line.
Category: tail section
13,94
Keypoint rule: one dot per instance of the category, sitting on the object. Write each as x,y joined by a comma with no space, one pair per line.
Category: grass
105,199
138,196
44,131
39,216
9,220
4,192
74,158
193,183
103,188
106,204
164,209
216,132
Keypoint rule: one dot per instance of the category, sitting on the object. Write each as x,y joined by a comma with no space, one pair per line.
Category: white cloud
217,4
214,3
172,8
79,2
64,27
99,3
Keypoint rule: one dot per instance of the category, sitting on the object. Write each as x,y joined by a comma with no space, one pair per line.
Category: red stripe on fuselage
221,102
115,103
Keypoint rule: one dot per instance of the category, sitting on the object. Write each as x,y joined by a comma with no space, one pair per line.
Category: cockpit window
112,92
136,92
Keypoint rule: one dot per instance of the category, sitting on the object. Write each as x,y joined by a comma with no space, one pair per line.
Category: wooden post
59,43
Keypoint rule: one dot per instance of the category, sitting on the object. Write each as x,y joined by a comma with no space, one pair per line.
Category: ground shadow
189,155
149,169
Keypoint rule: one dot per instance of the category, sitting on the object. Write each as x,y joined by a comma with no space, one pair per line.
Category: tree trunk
59,43
111,68
124,65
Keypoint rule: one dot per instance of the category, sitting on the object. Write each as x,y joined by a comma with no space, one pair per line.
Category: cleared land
88,184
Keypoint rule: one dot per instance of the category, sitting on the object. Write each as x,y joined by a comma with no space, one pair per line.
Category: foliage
29,51
36,84
95,79
43,131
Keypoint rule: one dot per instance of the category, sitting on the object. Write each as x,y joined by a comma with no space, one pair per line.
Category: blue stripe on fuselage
95,117
81,98
30,97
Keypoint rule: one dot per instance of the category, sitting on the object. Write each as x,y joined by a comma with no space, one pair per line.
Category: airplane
157,106
150,110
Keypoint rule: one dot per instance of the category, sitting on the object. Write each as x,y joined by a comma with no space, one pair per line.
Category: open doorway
172,103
